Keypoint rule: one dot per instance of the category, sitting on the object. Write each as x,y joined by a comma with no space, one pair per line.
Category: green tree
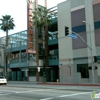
6,24
42,18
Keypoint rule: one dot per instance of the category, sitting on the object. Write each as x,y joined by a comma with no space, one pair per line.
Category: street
42,92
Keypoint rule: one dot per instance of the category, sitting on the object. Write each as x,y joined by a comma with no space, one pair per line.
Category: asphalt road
23,92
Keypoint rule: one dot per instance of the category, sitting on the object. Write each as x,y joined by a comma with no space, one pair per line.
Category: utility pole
92,61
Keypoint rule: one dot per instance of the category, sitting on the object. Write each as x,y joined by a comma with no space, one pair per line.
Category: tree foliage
7,23
42,17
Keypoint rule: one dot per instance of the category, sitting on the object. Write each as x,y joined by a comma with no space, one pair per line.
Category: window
83,69
32,73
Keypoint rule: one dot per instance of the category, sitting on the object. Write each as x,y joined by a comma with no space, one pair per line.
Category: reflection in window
16,39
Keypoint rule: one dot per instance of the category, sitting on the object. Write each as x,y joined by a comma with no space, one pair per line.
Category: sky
18,10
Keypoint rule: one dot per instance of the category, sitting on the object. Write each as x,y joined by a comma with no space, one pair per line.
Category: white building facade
75,57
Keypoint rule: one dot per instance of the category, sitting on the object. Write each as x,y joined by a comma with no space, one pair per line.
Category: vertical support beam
66,49
37,56
36,3
32,32
36,44
46,3
46,48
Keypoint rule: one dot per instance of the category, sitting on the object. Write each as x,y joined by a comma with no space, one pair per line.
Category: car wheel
5,83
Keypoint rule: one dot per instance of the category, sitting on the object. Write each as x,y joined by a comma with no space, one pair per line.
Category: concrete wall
32,63
78,3
98,50
79,53
65,47
66,53
31,78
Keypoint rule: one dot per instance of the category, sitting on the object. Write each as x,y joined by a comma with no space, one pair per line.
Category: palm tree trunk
7,54
37,55
43,39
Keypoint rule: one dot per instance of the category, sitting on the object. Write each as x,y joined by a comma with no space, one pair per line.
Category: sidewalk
21,82
53,83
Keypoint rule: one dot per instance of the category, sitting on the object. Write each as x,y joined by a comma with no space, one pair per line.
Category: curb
53,83
55,88
64,84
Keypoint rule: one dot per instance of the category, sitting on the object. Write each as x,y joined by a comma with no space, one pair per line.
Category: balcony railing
18,60
53,57
53,60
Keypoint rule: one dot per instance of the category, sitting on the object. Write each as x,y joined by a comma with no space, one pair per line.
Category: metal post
91,55
90,47
92,61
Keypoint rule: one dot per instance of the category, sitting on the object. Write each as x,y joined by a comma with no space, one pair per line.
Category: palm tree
7,23
42,18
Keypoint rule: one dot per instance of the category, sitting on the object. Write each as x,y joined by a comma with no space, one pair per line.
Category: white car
3,80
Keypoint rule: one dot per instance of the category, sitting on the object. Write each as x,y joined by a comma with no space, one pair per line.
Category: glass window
32,73
83,69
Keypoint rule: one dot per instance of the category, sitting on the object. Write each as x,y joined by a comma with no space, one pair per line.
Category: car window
2,77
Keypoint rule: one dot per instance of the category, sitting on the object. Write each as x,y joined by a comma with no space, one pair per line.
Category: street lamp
91,51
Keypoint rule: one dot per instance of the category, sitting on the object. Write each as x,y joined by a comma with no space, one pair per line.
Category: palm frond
7,23
41,17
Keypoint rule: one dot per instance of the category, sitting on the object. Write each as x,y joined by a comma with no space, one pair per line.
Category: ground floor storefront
79,72
30,74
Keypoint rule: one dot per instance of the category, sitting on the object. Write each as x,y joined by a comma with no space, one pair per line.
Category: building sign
30,30
30,51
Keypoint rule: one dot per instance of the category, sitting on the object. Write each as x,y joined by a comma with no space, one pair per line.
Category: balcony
53,60
53,38
17,63
17,48
53,41
54,20
23,62
18,60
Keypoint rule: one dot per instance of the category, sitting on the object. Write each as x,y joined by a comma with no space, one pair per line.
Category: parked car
3,80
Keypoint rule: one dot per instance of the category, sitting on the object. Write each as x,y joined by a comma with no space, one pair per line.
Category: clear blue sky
18,10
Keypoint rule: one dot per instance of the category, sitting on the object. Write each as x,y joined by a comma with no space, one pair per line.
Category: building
74,54
68,60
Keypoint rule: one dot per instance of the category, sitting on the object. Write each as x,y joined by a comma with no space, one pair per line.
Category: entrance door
23,75
14,75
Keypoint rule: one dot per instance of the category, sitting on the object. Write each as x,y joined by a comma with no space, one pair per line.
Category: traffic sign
73,36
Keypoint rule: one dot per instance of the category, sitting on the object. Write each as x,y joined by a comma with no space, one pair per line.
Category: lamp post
91,52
